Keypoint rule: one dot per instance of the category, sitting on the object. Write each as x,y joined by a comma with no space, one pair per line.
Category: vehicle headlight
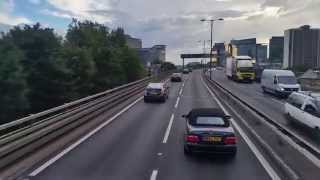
281,89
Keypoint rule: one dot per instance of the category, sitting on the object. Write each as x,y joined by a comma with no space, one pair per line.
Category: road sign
189,56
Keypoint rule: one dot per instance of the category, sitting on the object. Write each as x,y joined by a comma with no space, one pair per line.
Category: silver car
156,92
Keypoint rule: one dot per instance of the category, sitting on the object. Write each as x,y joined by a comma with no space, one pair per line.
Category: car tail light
192,138
230,140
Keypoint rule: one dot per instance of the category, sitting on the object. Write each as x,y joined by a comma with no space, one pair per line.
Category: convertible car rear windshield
209,121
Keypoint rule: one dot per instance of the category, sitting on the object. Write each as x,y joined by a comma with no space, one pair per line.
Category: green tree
168,66
131,63
13,101
39,46
78,70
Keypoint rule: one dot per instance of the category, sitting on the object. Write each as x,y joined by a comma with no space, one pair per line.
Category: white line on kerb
154,175
272,173
74,145
177,103
166,135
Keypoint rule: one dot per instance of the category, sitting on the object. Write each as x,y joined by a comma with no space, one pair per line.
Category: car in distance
279,82
156,92
185,71
304,108
209,130
176,77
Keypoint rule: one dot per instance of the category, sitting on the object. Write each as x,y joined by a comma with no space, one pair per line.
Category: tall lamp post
211,25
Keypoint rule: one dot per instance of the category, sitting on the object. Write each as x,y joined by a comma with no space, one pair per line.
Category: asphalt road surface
146,142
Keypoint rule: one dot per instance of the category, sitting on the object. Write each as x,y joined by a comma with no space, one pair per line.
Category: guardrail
25,135
298,140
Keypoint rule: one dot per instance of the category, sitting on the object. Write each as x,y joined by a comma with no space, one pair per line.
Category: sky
175,23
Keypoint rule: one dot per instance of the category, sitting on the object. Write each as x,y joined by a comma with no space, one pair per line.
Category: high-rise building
301,48
246,47
262,53
153,54
276,49
221,53
133,43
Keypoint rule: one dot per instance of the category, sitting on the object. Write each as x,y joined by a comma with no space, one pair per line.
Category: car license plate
212,139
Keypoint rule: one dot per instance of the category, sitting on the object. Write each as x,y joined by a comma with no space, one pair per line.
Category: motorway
267,103
146,142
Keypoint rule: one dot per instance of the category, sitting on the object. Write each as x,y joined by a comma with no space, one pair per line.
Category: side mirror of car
227,117
184,116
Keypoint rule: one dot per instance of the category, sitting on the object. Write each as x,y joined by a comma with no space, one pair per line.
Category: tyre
264,90
145,100
187,151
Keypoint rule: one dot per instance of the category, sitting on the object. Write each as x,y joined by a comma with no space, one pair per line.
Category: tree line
40,69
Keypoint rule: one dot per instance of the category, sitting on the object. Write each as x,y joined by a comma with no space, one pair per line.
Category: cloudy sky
175,23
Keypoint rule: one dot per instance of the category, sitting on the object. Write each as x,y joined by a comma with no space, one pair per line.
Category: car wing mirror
184,116
227,117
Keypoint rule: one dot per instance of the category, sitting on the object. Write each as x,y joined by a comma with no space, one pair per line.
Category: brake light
230,140
192,138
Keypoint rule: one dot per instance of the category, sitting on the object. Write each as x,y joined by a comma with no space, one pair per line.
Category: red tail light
230,140
192,138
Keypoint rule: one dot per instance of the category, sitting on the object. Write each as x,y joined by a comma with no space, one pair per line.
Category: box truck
240,68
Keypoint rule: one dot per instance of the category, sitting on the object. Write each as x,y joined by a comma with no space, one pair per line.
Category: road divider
154,175
166,135
177,103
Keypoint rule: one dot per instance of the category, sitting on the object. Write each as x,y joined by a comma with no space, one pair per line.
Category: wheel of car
233,154
264,90
145,100
187,151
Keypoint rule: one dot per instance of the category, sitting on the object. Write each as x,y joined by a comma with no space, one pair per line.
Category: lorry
240,68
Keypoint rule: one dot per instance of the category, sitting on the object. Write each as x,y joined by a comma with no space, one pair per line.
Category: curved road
146,142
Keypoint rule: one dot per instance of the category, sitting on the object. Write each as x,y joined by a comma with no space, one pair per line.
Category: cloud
6,8
81,9
35,1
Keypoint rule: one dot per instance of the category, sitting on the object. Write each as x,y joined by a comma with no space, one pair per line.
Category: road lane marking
166,136
272,173
180,92
77,143
154,175
177,103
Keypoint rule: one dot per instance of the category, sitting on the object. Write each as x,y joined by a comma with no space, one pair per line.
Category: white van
279,82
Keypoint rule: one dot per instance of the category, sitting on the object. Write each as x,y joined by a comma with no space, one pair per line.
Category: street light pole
211,43
211,24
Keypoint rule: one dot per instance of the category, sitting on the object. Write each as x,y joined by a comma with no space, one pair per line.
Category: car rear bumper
215,149
154,98
176,79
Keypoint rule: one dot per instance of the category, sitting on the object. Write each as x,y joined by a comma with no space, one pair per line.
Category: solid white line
154,175
272,173
77,143
177,103
166,135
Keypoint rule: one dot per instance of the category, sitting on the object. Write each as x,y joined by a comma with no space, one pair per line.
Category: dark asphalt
271,105
129,147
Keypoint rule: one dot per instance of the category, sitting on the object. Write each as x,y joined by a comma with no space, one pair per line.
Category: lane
267,103
125,149
175,165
